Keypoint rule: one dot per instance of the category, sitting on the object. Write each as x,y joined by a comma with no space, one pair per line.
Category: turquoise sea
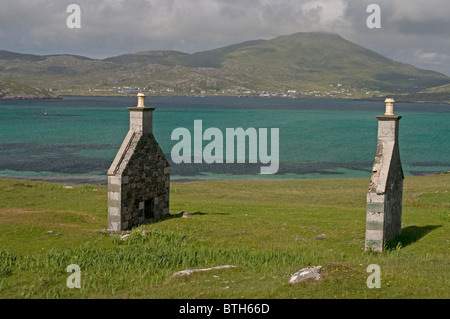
78,138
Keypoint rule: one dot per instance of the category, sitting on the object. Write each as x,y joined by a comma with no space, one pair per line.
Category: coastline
398,99
29,97
103,180
70,180
82,158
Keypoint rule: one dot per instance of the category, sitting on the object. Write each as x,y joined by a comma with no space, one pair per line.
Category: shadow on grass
197,214
410,235
200,213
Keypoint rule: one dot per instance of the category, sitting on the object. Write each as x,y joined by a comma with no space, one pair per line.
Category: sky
411,31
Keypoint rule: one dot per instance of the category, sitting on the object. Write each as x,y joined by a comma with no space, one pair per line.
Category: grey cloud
407,27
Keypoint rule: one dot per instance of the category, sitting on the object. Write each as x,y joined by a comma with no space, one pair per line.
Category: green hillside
445,89
307,64
16,90
320,60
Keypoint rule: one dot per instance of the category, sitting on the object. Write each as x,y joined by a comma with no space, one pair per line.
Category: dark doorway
149,209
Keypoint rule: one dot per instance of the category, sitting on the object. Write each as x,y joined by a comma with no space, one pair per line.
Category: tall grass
267,230
145,260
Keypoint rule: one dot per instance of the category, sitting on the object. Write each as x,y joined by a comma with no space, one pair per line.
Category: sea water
75,139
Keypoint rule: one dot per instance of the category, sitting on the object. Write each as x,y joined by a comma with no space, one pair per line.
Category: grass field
267,229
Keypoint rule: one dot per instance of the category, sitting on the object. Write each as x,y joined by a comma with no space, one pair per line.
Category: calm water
78,139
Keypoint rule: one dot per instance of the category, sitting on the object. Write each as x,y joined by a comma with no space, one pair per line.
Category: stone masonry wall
393,200
138,183
384,197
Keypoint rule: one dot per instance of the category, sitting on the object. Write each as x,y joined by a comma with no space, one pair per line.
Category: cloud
187,25
407,27
430,57
112,27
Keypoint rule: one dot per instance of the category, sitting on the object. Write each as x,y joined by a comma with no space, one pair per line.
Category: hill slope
304,62
15,90
320,59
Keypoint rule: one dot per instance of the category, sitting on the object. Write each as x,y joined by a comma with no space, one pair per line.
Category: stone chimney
384,197
141,117
139,177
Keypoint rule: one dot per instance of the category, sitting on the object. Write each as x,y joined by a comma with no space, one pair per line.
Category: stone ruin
384,197
139,177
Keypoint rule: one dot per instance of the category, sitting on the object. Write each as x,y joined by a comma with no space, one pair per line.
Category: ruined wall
139,177
384,197
393,200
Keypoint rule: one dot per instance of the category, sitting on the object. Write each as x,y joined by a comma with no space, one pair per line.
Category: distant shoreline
103,180
381,99
25,98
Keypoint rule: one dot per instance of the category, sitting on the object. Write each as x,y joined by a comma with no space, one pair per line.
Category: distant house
129,91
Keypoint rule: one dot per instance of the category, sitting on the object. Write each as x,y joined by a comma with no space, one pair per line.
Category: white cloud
429,59
329,12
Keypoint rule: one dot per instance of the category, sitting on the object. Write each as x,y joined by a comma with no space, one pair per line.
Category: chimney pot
141,98
389,106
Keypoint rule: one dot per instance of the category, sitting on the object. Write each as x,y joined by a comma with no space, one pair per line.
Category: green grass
267,229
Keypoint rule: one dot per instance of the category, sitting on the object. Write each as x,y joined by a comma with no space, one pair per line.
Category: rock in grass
305,274
124,237
185,215
321,236
187,272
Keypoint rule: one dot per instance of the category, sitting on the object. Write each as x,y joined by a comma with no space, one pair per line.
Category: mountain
316,64
318,59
